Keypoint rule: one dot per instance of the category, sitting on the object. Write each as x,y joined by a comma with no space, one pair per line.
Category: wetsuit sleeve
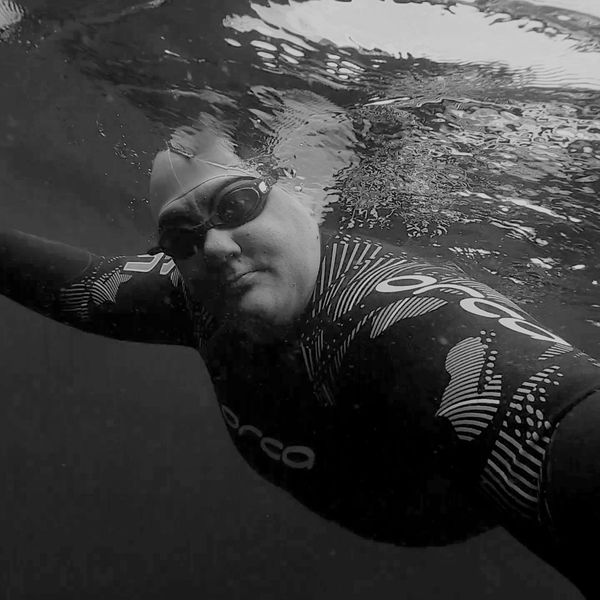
517,407
137,298
469,386
573,491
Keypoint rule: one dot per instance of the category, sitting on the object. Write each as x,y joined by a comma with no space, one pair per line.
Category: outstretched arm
138,298
512,407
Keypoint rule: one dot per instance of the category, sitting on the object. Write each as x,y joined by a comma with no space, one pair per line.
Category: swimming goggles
236,203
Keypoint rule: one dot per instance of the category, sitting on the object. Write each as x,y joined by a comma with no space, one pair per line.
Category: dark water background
469,130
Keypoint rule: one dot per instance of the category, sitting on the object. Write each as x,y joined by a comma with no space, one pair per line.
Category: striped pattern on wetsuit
501,380
505,411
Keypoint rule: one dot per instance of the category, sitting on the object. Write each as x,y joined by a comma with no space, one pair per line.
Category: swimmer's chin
249,312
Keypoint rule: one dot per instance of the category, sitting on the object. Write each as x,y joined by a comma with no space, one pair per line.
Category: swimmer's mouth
239,280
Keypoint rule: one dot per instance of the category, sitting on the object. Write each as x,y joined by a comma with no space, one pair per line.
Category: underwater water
468,130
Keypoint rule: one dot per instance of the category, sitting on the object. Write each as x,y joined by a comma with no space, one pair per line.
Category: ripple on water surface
472,125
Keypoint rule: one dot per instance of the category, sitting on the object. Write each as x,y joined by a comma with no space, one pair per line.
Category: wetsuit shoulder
460,357
135,298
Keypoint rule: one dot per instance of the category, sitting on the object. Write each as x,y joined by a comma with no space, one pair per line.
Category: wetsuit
412,405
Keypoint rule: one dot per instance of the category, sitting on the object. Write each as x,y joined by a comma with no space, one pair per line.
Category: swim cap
202,161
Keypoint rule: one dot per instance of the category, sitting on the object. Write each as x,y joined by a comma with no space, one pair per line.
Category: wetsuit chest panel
409,391
266,402
314,450
347,461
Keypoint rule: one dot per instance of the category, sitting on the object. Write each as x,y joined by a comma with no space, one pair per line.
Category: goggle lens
233,206
237,207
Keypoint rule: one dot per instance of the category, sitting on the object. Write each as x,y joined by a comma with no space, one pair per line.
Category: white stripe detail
403,309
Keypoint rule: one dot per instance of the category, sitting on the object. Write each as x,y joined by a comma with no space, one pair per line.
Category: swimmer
397,398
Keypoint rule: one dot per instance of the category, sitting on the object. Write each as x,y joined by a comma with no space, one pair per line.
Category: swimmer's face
264,269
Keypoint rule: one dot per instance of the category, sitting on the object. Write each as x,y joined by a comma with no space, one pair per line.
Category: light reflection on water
479,115
537,54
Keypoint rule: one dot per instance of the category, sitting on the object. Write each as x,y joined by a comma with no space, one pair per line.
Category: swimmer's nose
219,247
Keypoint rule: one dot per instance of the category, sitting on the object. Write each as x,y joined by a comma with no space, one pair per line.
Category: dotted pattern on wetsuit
508,431
517,430
513,473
